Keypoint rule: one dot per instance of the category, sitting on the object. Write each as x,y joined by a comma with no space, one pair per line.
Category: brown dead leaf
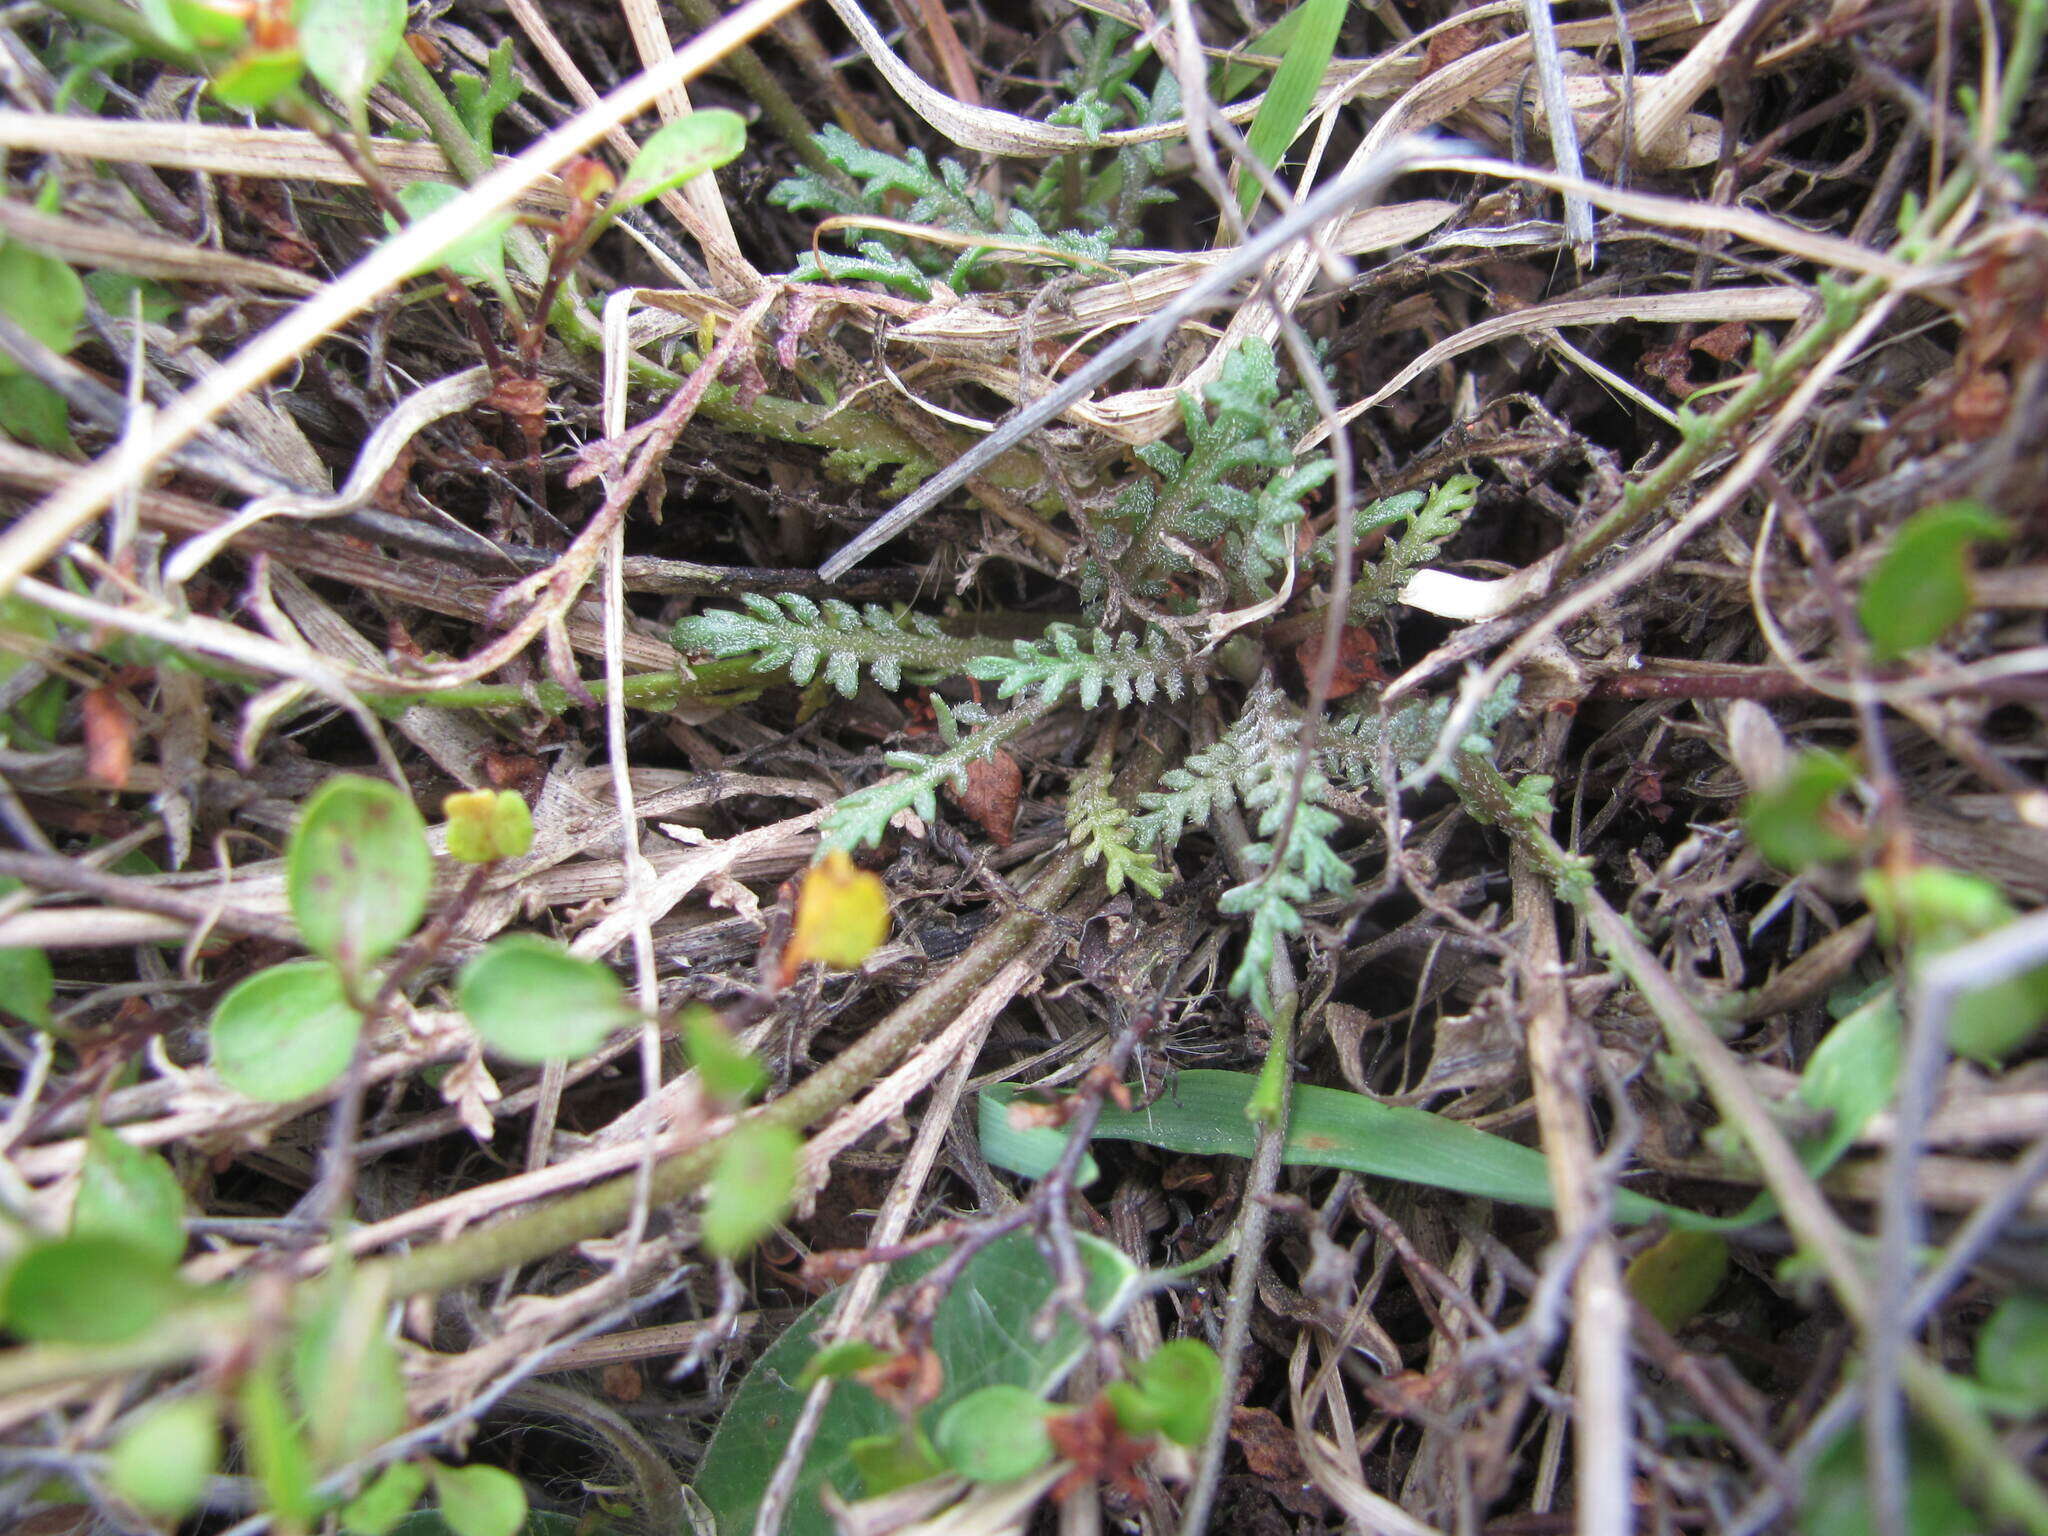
623,1382
994,786
1357,660
109,737
1269,1450
1724,342
1451,45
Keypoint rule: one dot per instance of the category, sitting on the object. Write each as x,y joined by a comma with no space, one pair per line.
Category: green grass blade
1203,1114
1293,90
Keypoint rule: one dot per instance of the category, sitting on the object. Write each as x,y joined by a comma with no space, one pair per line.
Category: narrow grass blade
1293,91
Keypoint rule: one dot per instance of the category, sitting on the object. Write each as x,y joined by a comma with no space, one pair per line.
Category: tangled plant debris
1078,764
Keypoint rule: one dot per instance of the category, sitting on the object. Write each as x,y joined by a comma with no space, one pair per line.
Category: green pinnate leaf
286,1032
533,1001
131,1195
358,871
676,152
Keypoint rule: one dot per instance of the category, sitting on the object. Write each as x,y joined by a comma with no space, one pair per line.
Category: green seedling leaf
1676,1276
130,1195
752,1188
485,825
358,871
194,23
252,81
982,1335
1838,1492
1203,1113
727,1071
994,1435
121,295
379,1507
478,255
42,295
479,1500
2012,1355
349,45
27,985
285,1033
1921,586
677,152
86,1290
1932,910
345,1374
533,1001
1182,1381
33,413
276,1451
162,1462
1851,1075
845,1358
1293,90
888,1462
1797,821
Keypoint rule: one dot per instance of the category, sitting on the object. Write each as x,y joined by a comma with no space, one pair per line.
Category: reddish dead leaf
994,786
1357,660
520,398
908,1381
1270,1451
109,737
1451,45
513,770
1724,342
1671,366
1101,1452
1978,408
424,48
623,1382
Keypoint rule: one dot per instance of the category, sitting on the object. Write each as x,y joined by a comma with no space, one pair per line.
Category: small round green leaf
86,1290
533,1001
27,984
379,1507
42,295
358,871
479,1501
487,825
127,1193
478,254
844,1358
252,81
889,1462
994,1435
349,44
162,1462
2012,1352
194,23
1676,1276
1921,585
1183,1380
285,1033
344,1372
694,143
1795,822
728,1071
752,1187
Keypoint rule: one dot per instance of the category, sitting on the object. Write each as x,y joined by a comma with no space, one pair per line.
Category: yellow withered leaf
842,916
